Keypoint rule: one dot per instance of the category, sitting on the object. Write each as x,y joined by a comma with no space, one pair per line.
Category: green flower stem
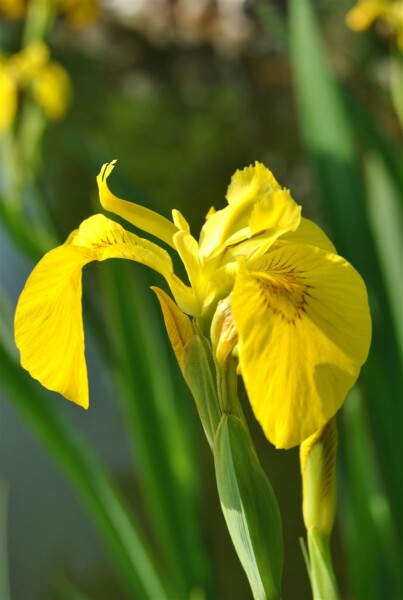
323,580
39,20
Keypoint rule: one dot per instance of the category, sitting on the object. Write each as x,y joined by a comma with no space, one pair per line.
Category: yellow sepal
304,331
48,322
49,325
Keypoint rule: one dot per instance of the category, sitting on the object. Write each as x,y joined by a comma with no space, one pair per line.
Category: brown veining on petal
284,290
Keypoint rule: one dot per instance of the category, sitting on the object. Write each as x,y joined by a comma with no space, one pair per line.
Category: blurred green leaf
156,423
371,539
132,558
66,590
32,240
376,140
386,221
250,508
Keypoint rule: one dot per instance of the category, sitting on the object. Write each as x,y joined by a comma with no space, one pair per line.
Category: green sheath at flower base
194,357
250,509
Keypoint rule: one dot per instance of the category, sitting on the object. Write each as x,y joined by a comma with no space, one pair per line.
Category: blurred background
183,93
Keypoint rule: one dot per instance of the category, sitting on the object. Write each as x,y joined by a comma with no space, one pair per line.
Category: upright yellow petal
304,332
48,321
251,182
257,205
187,248
137,215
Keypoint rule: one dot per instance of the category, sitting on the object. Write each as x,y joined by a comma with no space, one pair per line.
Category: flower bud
224,332
318,470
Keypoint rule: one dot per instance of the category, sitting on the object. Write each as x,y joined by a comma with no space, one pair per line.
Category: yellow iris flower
32,71
365,12
300,310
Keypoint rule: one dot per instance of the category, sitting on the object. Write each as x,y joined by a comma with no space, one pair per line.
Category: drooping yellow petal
107,239
137,215
48,322
304,332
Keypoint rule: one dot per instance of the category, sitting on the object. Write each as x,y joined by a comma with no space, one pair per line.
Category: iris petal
48,322
258,207
49,325
304,332
247,187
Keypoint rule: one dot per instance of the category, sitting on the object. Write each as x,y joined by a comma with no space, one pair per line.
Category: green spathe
250,508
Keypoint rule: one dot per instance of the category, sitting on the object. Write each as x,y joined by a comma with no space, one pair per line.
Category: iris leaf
130,554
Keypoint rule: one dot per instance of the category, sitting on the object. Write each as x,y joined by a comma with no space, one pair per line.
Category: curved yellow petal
304,331
107,239
48,321
137,215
